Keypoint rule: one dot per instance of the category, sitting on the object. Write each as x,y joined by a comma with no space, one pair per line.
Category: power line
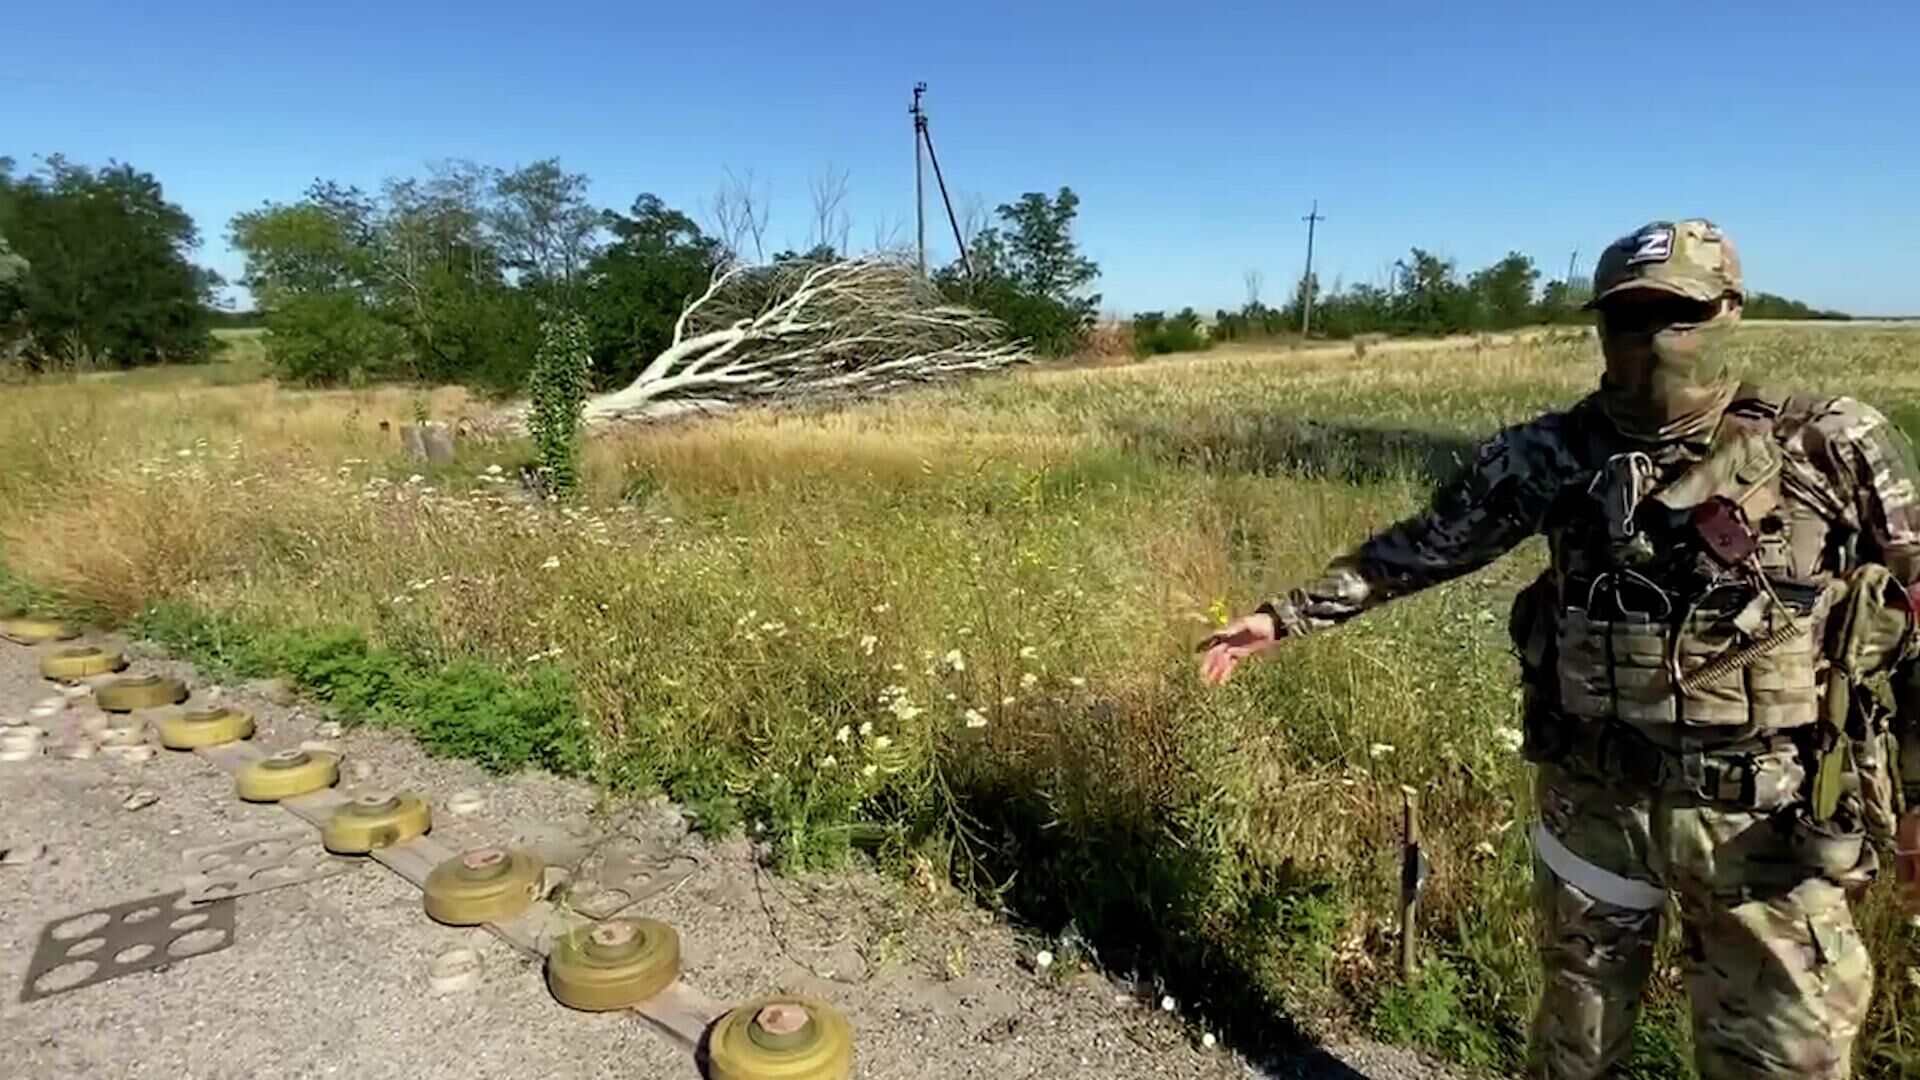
1314,217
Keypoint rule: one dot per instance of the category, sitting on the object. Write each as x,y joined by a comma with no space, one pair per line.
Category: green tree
637,286
107,276
13,328
437,278
1504,292
1029,273
547,230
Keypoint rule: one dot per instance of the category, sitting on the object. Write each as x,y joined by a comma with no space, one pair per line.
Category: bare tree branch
830,224
889,235
737,214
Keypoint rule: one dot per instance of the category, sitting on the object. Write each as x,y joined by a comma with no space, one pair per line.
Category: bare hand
1906,859
1246,636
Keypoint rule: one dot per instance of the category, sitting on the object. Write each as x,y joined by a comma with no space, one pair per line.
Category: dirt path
329,978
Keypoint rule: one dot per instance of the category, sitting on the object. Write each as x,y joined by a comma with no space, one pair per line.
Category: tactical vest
1685,627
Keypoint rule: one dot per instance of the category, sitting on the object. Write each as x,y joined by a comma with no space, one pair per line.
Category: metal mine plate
140,935
244,867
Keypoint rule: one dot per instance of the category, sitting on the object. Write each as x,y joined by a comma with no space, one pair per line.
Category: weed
1427,1012
957,621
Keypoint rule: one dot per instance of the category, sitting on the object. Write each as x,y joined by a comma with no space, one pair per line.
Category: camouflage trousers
1777,976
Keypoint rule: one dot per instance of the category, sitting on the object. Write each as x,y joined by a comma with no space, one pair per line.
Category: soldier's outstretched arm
1497,502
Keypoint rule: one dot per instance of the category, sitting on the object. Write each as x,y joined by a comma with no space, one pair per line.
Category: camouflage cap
1690,258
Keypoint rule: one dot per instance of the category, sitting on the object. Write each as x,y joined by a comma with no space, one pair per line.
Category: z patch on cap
1652,245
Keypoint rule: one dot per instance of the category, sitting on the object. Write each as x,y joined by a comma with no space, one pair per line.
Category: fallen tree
801,330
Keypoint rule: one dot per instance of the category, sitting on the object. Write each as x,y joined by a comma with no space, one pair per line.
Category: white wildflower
869,770
975,719
845,733
829,761
882,742
1511,738
1043,959
866,728
867,642
1028,652
954,660
1028,680
552,563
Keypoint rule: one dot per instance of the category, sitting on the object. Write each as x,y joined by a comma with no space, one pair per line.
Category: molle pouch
1530,627
1876,759
1871,641
1614,668
1782,683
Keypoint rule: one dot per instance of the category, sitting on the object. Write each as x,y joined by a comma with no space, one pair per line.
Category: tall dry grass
960,620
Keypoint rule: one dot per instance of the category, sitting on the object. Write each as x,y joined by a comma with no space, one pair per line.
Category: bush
459,709
558,389
1154,334
331,337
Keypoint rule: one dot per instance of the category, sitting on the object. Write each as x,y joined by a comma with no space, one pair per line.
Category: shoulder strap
1759,401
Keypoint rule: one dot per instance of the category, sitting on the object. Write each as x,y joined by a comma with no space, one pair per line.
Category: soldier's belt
1760,775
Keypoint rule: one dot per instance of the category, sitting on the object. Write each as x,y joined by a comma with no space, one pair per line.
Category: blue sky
1196,134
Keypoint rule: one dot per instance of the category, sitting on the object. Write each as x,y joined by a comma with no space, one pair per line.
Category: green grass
761,616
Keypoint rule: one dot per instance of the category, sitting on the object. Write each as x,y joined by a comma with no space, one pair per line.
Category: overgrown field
954,628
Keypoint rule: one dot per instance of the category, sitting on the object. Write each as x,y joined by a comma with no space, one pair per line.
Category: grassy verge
953,628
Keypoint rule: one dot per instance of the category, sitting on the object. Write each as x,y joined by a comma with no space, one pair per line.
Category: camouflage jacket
1850,467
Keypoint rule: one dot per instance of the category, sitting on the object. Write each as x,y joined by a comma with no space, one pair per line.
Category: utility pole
1306,283
923,137
919,173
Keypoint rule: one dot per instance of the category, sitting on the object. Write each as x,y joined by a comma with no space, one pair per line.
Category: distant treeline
1425,296
446,277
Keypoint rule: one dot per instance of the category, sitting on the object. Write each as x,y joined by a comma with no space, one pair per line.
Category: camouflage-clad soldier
1713,666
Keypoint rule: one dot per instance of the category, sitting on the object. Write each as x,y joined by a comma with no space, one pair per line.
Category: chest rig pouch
1671,622
1688,616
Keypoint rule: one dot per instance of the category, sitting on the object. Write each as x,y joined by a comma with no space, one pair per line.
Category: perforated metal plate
245,867
624,872
94,946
